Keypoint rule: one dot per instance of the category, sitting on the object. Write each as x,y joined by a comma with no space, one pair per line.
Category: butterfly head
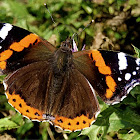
67,43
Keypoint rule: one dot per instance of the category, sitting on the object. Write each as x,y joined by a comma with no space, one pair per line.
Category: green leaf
25,127
136,50
138,19
132,2
136,136
93,132
111,10
100,127
113,119
18,9
128,135
7,124
2,77
87,9
18,118
115,123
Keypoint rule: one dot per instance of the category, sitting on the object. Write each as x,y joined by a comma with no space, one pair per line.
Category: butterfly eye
67,43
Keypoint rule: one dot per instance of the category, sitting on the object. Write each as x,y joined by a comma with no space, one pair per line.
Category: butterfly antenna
52,18
76,34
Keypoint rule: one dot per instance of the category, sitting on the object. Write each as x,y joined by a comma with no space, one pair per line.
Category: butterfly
44,83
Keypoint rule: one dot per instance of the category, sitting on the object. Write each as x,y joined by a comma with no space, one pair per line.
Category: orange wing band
96,56
77,123
20,105
18,47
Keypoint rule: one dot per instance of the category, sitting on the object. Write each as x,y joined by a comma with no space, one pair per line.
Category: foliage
116,26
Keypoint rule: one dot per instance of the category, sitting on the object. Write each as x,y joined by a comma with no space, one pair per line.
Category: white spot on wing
127,76
134,72
4,30
119,79
138,61
122,61
0,47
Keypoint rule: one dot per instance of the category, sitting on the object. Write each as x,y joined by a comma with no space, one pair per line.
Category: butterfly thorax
62,60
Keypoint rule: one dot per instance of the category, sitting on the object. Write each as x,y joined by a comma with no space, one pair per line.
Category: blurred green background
116,27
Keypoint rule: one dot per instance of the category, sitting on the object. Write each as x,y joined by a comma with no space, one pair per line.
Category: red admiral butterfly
58,85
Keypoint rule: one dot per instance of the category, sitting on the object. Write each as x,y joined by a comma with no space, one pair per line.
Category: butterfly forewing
20,47
112,74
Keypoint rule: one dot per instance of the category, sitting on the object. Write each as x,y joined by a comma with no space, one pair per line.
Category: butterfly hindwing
68,100
78,106
25,89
